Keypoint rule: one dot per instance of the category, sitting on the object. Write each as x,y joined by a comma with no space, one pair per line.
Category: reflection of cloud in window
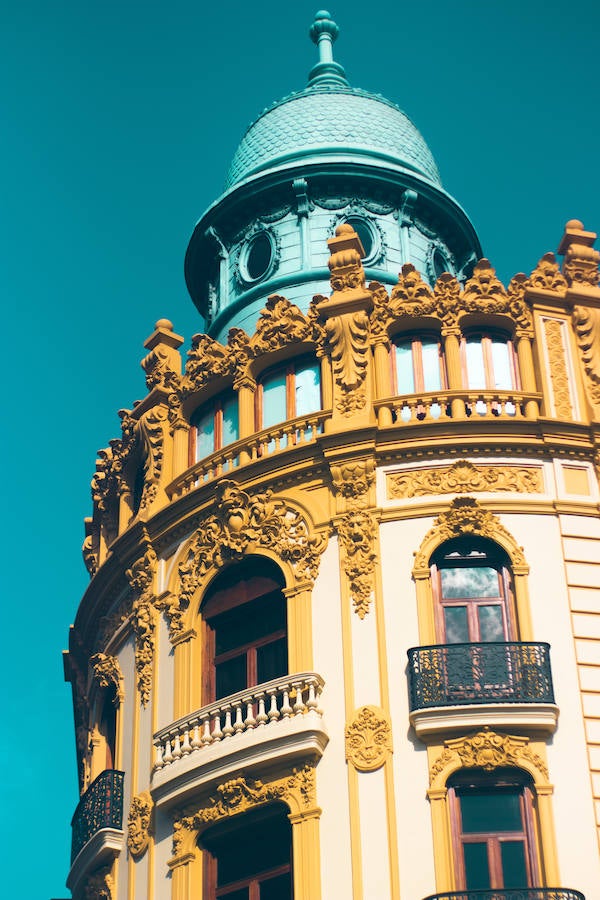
466,582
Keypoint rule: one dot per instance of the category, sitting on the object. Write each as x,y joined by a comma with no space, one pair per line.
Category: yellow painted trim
299,619
135,756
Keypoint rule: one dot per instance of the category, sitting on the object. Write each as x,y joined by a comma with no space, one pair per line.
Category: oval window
366,233
259,256
440,263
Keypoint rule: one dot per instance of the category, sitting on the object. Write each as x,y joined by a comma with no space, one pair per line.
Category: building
341,634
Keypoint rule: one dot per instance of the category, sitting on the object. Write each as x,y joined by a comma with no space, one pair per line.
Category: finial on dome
323,32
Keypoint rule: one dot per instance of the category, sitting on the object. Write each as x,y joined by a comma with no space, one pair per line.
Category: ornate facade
342,632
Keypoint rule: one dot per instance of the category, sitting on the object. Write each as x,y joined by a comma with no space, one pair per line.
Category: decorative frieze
463,476
368,739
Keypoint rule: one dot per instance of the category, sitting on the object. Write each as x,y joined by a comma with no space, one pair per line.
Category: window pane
491,624
308,389
431,366
475,364
457,628
239,894
271,660
480,581
491,811
477,870
278,888
404,369
514,867
205,439
231,676
274,400
501,363
230,421
249,622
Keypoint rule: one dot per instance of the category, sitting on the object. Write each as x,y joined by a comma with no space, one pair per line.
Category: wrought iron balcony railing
463,674
511,894
100,807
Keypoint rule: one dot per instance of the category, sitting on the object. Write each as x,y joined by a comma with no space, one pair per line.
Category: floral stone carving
464,476
107,673
141,579
241,524
139,822
487,750
357,531
368,739
298,790
559,374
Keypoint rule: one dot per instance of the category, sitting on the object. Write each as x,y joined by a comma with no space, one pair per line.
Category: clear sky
118,122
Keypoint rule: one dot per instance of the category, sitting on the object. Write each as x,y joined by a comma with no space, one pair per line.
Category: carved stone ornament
353,481
206,359
559,374
586,321
547,275
357,531
242,524
487,750
348,337
99,885
139,824
464,476
107,673
467,517
162,365
141,579
368,739
281,322
151,432
298,790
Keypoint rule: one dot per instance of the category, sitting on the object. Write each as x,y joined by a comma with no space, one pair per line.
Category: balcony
96,826
279,719
511,894
438,407
461,686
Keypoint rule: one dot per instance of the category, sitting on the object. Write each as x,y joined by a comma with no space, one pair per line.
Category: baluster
311,703
286,709
158,762
250,721
299,706
186,746
238,725
168,757
273,711
177,747
262,717
206,735
217,734
196,742
228,728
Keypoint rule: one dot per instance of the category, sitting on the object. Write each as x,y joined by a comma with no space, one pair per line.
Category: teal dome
331,119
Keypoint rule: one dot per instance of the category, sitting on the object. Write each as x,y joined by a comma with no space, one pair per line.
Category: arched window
287,392
214,427
417,365
249,857
246,619
489,362
473,592
493,829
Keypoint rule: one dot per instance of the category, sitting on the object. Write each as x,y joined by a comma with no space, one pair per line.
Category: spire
323,32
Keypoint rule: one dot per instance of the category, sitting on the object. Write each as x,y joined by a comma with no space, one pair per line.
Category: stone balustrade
444,406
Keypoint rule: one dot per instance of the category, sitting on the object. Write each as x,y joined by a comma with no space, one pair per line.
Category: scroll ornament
465,517
139,824
348,337
487,750
368,739
586,321
141,579
107,673
357,532
240,794
464,476
242,524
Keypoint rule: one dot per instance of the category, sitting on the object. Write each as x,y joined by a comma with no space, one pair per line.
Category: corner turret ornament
323,32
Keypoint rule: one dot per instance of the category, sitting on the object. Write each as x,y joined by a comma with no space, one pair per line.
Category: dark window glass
491,811
231,676
364,232
476,866
271,660
277,888
514,865
259,256
440,263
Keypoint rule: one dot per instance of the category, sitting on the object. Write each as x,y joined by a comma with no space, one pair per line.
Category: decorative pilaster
141,578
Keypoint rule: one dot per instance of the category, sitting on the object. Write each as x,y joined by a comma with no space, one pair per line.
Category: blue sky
119,120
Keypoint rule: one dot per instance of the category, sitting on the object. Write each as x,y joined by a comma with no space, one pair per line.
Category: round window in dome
368,234
257,257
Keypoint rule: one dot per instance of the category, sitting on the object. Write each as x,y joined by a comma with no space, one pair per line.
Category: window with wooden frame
493,830
213,427
473,594
417,364
245,617
249,857
489,362
288,392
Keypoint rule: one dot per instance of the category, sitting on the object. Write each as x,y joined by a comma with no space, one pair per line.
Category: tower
339,637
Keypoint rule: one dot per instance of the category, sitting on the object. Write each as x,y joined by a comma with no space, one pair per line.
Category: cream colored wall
332,778
128,717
